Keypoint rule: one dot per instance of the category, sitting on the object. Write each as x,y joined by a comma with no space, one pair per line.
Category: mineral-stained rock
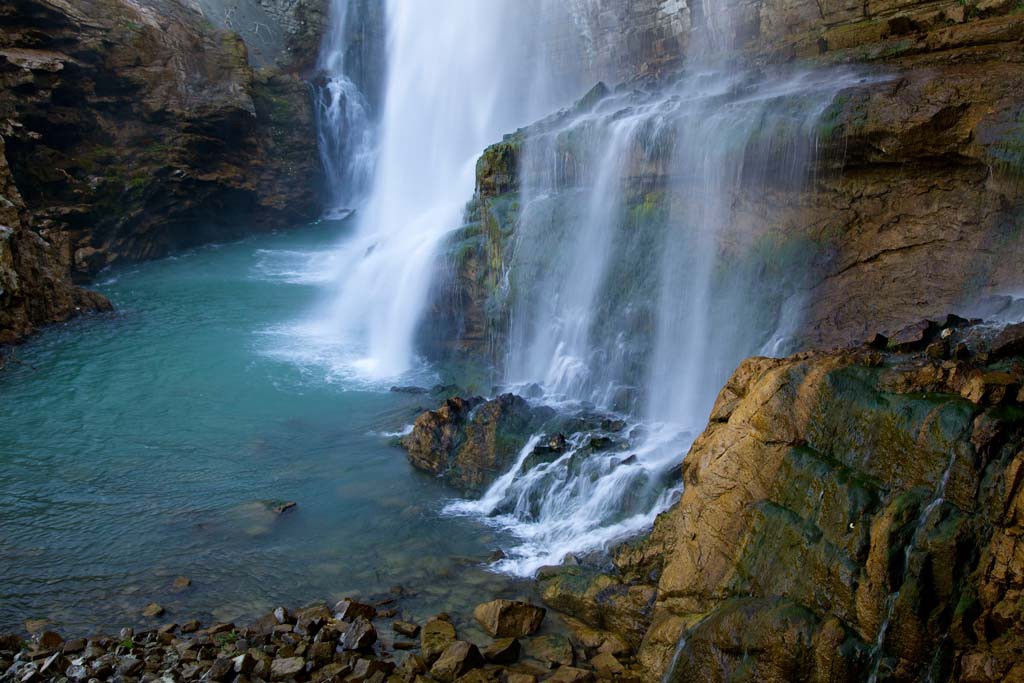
470,442
831,493
509,618
458,658
435,637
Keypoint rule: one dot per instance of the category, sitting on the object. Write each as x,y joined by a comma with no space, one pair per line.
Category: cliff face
131,131
914,207
844,515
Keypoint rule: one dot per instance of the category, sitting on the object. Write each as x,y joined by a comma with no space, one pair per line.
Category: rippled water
145,445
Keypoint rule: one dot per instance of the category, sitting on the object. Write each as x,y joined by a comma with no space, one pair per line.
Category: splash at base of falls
584,500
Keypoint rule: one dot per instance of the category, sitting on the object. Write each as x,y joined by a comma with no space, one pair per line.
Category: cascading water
455,82
636,287
345,127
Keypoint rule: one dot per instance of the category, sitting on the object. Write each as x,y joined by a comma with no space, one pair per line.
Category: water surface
151,443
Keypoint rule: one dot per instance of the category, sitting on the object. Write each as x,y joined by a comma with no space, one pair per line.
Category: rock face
845,515
131,131
34,285
915,203
470,442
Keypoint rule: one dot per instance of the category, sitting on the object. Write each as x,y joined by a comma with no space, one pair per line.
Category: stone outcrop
135,130
471,442
845,514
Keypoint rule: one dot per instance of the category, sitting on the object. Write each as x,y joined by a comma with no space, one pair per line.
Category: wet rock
456,659
285,668
153,610
406,628
509,618
243,664
73,646
1008,342
470,442
502,651
410,390
435,637
350,609
360,635
190,626
130,666
369,669
607,663
284,507
50,640
568,674
182,582
552,650
914,337
221,668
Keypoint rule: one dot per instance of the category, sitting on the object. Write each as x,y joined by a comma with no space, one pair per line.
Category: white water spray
455,82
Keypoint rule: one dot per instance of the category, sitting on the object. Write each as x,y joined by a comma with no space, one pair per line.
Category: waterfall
636,288
459,74
345,128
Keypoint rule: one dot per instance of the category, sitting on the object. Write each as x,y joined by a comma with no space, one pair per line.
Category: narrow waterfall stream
636,291
345,125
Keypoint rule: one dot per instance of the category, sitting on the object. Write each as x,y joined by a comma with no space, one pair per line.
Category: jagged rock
509,618
458,658
360,635
848,462
470,442
351,609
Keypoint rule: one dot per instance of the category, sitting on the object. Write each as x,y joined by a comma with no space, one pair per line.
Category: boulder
360,635
435,637
552,650
509,618
456,659
469,441
288,667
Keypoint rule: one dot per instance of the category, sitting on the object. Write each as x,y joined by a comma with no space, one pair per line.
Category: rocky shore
351,642
846,515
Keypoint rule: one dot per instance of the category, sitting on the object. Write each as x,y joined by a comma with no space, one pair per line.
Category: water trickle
345,127
890,602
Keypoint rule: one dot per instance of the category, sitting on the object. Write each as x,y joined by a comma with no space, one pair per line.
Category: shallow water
144,445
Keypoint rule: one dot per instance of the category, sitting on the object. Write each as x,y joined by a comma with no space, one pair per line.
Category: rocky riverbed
354,642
